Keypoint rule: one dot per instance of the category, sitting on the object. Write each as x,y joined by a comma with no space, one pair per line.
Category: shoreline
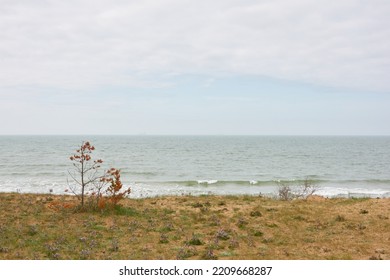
142,190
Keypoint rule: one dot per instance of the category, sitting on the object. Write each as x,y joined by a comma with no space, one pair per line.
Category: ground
194,227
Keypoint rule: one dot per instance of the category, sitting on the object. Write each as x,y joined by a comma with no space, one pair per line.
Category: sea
338,166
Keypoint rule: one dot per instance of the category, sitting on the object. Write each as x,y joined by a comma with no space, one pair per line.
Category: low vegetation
190,227
302,190
99,190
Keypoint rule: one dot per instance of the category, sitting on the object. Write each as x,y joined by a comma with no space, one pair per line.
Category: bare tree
304,190
307,188
85,171
285,191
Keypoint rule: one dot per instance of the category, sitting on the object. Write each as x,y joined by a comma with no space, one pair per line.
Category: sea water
176,165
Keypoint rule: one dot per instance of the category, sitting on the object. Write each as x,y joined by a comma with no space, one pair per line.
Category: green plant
222,234
255,213
209,255
115,245
195,241
241,222
258,233
164,238
197,205
186,252
340,218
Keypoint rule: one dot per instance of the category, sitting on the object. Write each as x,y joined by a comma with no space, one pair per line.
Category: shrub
209,255
255,213
340,218
186,252
222,234
285,192
164,238
304,190
113,192
104,189
195,241
308,188
241,222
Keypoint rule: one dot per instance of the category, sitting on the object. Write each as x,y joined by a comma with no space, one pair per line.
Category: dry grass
206,227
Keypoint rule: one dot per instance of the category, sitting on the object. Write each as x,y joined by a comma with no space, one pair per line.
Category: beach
199,197
195,227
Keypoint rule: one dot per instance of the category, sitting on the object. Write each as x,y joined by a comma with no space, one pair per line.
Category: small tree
113,191
86,176
86,170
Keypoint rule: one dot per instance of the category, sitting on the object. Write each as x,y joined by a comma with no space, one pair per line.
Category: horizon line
215,135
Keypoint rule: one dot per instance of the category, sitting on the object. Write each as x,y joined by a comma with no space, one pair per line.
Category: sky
180,67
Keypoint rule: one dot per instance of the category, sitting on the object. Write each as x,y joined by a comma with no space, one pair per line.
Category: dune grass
191,227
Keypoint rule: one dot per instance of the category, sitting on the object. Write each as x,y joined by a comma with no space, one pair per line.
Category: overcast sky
195,67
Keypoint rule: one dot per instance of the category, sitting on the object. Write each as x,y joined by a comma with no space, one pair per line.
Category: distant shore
195,227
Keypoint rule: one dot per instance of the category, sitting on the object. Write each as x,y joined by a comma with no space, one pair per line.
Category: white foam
352,192
208,182
203,187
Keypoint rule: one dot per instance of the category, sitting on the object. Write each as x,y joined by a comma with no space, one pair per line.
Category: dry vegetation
188,227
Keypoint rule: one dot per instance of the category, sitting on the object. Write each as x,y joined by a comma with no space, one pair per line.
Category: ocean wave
219,183
341,188
138,173
353,192
207,182
275,182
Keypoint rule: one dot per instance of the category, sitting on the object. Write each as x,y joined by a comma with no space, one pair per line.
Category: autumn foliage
102,189
114,192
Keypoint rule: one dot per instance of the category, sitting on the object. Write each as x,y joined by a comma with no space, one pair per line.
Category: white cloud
86,44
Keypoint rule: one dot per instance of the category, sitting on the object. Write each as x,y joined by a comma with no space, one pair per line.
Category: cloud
88,44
